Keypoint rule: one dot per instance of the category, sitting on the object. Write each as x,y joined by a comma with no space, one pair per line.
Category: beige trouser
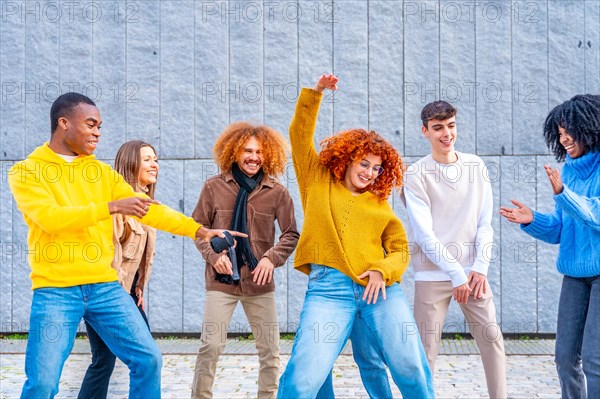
262,316
432,299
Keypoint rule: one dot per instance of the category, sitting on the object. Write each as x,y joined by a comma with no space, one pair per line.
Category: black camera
220,244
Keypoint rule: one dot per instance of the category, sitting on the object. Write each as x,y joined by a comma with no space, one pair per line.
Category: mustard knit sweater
350,233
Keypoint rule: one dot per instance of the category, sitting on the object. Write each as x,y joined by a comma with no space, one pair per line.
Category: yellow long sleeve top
349,233
65,206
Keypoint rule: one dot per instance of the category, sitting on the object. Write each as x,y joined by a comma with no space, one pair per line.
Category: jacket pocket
263,228
222,219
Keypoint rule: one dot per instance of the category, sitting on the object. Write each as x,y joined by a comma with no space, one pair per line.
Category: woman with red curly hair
355,251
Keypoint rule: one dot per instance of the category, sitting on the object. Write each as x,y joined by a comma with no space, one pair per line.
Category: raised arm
302,129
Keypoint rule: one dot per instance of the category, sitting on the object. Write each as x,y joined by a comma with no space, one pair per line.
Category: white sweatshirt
450,210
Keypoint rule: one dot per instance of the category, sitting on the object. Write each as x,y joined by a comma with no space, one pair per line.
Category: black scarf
238,221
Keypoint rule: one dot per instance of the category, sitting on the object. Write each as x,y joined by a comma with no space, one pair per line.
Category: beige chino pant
261,312
432,299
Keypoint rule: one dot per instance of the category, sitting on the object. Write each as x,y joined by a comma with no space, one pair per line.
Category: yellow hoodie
65,206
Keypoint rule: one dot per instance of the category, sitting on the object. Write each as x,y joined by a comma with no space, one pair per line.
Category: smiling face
79,132
251,158
442,136
573,148
361,174
148,167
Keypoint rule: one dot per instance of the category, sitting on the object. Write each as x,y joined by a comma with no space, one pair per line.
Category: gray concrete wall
175,72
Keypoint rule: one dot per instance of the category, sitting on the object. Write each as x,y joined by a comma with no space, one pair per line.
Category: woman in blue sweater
572,132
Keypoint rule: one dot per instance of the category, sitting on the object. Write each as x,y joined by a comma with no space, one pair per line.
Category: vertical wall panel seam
92,48
182,244
159,75
25,31
25,34
333,62
475,72
548,52
1,140
194,88
403,78
537,266
126,77
512,76
263,64
547,109
368,68
228,63
585,78
183,162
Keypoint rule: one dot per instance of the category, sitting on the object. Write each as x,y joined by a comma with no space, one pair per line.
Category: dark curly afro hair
580,117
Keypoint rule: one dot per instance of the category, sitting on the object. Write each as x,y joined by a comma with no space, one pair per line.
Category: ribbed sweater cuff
311,95
579,269
540,225
480,267
458,278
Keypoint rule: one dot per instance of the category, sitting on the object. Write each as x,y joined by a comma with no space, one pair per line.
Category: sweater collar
584,165
449,173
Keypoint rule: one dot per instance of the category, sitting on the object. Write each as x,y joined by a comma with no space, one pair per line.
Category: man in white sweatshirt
449,201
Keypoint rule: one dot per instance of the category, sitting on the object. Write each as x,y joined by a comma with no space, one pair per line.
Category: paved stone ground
530,367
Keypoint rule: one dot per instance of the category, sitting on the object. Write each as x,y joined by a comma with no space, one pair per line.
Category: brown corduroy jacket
269,202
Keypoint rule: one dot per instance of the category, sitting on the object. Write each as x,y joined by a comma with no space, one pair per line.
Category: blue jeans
368,358
55,316
97,377
331,304
578,338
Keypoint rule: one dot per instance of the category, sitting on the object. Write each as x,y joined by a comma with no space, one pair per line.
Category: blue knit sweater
575,223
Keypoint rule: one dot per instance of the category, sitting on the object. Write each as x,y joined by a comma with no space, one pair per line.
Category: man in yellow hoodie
67,198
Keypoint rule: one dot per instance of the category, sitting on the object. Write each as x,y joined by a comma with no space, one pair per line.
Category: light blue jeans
332,303
578,338
368,358
55,316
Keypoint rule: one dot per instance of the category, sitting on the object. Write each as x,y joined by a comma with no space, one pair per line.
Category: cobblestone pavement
530,368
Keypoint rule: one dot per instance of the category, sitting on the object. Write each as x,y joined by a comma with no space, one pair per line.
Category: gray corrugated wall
176,72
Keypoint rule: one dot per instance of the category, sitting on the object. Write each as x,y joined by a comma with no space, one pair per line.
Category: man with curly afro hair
247,195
